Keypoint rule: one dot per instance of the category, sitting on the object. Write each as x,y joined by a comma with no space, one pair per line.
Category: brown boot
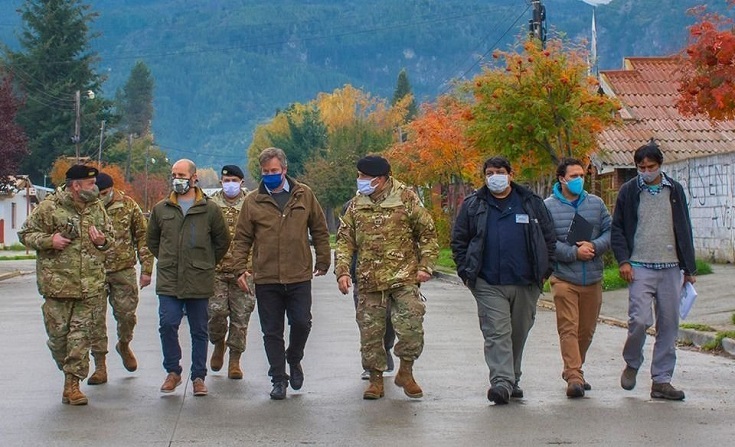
233,368
72,394
375,388
99,376
128,358
218,356
404,379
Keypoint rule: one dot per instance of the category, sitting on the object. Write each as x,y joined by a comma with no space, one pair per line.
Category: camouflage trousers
407,316
229,301
67,323
122,290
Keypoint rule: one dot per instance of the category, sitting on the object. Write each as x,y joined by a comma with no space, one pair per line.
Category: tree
403,89
136,101
207,178
55,61
538,106
13,141
708,83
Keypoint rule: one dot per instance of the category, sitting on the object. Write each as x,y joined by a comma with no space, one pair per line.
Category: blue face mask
575,186
272,181
365,187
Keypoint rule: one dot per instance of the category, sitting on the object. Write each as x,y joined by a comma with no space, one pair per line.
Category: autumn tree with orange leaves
708,84
537,106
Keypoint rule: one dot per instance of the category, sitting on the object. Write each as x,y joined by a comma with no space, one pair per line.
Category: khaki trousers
577,309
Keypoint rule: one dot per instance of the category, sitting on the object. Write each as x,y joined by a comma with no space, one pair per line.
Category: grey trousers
658,290
506,314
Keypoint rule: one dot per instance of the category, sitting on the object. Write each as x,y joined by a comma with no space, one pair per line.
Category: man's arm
153,233
38,230
461,239
319,235
139,227
220,233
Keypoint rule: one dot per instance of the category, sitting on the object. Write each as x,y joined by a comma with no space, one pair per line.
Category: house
698,153
18,197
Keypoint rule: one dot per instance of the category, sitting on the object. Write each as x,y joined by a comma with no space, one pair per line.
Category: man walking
188,235
229,300
503,243
396,245
652,242
274,227
576,284
70,232
129,225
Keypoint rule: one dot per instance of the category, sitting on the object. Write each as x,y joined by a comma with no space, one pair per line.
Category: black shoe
575,389
279,390
389,362
587,386
499,395
297,376
666,391
627,379
517,392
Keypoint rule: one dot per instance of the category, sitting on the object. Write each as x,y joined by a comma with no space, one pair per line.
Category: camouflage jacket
394,237
130,226
231,211
78,271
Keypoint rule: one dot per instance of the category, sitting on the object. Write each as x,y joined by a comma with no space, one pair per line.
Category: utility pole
99,152
537,25
130,156
77,113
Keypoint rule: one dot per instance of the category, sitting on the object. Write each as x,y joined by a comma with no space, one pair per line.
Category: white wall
6,213
709,183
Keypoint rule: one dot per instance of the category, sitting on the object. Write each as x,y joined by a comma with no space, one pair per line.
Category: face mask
650,176
497,183
231,189
89,195
272,181
108,198
575,186
365,187
180,185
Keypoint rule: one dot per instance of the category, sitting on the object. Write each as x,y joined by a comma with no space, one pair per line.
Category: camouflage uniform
228,299
394,237
129,225
70,280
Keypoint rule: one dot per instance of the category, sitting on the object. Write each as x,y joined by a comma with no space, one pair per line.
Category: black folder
579,230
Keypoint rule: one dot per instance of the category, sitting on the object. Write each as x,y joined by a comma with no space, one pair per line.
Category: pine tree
12,139
136,100
55,61
403,88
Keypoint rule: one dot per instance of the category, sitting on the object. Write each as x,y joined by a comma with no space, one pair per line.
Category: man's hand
242,281
422,276
145,280
585,251
344,283
626,272
318,272
59,242
98,238
690,278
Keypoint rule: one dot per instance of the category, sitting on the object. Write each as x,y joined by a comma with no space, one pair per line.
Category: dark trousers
275,301
170,314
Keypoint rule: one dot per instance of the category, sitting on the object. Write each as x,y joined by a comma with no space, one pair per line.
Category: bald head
186,165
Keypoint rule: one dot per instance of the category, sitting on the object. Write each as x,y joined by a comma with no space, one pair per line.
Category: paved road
129,410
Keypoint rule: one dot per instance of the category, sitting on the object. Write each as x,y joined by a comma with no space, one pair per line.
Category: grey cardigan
567,267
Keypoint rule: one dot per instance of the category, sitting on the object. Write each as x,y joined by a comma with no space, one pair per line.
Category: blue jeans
170,313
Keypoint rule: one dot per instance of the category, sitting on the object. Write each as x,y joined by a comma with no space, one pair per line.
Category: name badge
522,218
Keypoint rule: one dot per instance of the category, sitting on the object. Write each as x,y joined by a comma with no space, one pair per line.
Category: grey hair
270,153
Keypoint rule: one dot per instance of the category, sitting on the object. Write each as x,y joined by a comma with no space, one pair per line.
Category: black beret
373,165
80,172
233,170
104,181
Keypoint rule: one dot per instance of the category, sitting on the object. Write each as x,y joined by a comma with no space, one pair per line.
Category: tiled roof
647,88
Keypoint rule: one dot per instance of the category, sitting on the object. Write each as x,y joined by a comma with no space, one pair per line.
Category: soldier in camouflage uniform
70,232
396,244
129,225
228,299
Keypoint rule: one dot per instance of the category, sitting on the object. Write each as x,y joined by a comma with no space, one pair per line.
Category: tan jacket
130,227
280,240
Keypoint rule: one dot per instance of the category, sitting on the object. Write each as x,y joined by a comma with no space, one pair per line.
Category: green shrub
703,268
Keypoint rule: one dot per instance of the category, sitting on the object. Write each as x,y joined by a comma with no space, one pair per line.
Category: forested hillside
222,66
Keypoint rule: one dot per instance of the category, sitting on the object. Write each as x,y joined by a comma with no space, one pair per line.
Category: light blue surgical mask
575,185
497,183
365,187
650,176
231,189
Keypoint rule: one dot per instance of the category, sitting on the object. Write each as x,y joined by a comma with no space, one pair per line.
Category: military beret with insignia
373,165
80,172
233,170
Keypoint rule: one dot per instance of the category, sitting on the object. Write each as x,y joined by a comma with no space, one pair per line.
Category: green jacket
78,271
130,226
279,240
188,247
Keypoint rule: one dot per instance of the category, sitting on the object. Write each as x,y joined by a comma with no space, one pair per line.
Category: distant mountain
222,66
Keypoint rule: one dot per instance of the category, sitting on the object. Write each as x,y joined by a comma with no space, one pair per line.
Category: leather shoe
499,395
297,376
517,392
279,390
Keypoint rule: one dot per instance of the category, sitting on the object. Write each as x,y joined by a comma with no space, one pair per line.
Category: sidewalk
714,307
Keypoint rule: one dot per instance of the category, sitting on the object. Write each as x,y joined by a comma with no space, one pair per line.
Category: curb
8,275
698,338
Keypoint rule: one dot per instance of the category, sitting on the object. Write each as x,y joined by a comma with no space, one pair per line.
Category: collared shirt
653,190
286,187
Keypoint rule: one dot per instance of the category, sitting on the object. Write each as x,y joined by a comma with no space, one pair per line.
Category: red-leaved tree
13,141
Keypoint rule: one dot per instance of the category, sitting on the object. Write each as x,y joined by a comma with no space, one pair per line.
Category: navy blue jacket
468,235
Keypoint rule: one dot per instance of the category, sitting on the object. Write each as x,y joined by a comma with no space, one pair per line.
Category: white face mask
231,189
497,183
649,176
